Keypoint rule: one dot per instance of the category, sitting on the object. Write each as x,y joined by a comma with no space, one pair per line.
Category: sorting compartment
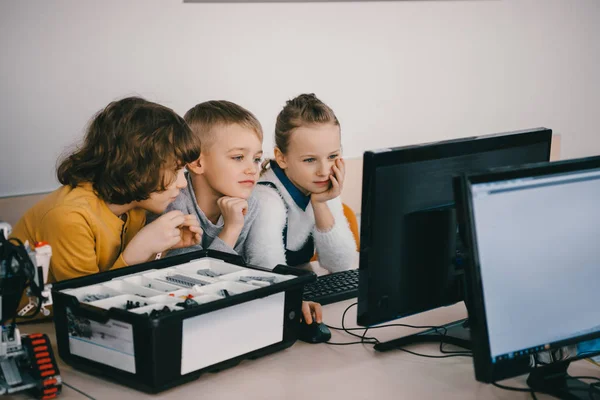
124,302
208,268
227,288
198,296
164,298
126,287
179,278
256,278
93,293
155,284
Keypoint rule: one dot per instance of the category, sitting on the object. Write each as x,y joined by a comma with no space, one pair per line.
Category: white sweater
336,248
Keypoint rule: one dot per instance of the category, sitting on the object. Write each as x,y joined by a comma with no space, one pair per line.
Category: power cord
372,340
77,390
594,388
446,354
515,389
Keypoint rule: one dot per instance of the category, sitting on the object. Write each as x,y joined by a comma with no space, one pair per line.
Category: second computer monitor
533,272
409,250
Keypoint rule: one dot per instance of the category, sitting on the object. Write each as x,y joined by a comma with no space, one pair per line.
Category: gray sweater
186,202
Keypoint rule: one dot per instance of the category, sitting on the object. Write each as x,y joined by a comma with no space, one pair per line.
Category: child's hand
190,232
310,311
159,235
233,210
338,172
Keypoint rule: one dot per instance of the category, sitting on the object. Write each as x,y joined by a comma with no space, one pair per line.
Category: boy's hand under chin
233,210
338,172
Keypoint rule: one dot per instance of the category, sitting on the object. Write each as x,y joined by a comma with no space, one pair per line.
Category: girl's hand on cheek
338,173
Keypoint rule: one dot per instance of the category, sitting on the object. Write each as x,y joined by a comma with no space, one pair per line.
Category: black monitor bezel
372,160
485,369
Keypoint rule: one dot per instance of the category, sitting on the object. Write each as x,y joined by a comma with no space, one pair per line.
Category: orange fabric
353,222
351,217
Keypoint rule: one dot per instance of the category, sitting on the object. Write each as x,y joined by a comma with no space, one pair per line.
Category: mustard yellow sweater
85,235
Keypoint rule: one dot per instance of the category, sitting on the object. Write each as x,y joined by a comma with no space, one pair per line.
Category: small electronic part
158,313
247,279
186,281
88,298
258,283
188,303
130,304
207,272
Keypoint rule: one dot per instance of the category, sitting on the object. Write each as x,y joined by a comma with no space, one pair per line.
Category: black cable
344,317
586,377
442,343
388,326
364,335
372,340
514,389
594,387
347,343
363,339
590,390
77,390
432,356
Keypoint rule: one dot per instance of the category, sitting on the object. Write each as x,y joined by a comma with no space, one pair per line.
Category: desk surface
324,371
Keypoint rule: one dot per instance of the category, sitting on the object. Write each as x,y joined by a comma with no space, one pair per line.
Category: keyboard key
332,288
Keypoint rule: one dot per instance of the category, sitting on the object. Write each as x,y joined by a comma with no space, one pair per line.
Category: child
304,184
131,161
221,182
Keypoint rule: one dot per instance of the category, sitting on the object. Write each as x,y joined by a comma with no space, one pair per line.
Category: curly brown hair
132,148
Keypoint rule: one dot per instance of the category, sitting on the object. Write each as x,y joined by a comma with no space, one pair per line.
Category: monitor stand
555,381
458,334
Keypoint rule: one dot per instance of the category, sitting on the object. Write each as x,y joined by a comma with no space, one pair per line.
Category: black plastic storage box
159,324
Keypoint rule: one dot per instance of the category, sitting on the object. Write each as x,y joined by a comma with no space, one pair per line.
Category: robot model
27,362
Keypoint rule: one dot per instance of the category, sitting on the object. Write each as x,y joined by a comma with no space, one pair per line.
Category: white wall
395,72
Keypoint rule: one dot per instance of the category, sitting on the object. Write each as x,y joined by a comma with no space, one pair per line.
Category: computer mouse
313,333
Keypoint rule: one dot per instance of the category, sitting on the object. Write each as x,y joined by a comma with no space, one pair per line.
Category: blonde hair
305,109
204,117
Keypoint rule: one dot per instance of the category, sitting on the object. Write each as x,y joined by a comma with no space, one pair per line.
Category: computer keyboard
332,288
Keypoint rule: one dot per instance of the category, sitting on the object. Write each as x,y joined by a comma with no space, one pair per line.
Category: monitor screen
535,273
409,242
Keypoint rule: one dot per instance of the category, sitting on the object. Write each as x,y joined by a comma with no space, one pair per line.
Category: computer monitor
534,272
408,242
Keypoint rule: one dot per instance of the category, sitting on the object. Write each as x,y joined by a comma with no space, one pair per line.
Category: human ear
280,158
196,166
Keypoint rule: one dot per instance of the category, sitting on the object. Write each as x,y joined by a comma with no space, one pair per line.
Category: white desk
325,372
321,371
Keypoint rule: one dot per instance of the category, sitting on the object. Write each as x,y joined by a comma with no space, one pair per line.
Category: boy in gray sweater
221,182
